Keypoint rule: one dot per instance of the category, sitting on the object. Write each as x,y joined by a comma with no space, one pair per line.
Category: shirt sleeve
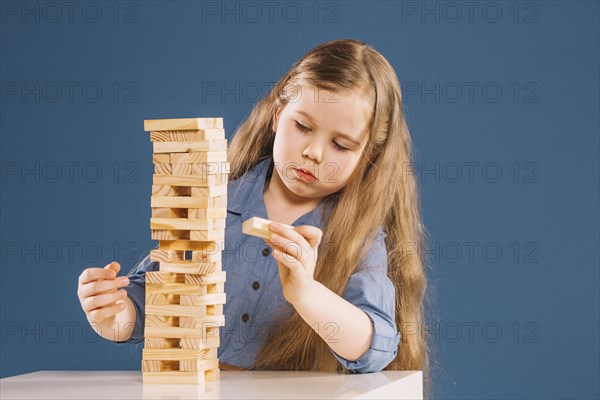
136,291
370,289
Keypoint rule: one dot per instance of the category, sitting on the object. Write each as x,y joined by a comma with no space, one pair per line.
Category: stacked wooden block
185,297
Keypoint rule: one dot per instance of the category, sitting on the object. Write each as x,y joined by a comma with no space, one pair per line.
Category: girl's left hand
296,253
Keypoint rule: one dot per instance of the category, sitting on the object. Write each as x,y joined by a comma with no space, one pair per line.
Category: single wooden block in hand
259,227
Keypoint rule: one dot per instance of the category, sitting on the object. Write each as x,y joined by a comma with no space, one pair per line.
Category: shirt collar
245,196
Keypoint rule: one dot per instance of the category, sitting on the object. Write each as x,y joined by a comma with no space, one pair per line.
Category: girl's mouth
304,176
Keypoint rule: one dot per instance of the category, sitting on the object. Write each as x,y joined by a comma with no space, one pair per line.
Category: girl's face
323,132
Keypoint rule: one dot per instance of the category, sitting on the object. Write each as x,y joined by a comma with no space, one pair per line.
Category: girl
326,151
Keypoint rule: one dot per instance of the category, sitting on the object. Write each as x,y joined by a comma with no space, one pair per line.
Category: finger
114,266
288,233
307,236
98,287
93,274
93,302
105,312
284,272
287,246
312,234
287,260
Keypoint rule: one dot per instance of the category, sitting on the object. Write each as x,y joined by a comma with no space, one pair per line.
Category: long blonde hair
383,179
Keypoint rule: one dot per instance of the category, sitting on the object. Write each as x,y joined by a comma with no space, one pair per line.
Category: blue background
533,308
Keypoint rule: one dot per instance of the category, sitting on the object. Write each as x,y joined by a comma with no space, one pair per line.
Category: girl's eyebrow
350,138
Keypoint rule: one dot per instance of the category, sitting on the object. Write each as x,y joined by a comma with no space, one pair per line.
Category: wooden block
206,235
164,343
151,366
211,341
187,135
189,202
208,247
191,268
161,158
165,168
181,223
202,169
208,168
167,255
175,365
167,190
218,202
203,323
161,277
164,277
259,227
175,332
198,157
182,124
181,278
187,300
179,354
172,169
209,299
208,363
208,279
162,378
205,256
161,299
188,147
164,234
168,212
218,215
190,322
216,309
212,191
216,288
181,169
176,310
175,288
174,256
191,180
219,224
161,321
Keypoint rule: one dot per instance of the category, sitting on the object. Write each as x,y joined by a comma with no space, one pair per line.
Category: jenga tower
185,297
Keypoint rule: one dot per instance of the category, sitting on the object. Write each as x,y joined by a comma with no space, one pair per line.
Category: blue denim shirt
255,301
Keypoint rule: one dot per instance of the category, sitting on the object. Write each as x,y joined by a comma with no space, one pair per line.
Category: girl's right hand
98,293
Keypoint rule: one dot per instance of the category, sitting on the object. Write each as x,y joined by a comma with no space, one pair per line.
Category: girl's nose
314,152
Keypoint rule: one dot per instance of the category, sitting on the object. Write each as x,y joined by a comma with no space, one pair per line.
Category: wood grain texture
198,157
187,135
182,124
188,147
206,247
191,268
181,224
167,255
192,180
259,227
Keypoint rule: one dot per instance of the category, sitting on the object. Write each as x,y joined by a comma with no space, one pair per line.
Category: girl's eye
305,129
338,147
302,127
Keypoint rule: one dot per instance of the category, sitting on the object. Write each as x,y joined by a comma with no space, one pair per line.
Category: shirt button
245,317
256,285
266,251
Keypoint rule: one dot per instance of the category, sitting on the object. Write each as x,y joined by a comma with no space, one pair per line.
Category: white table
232,385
